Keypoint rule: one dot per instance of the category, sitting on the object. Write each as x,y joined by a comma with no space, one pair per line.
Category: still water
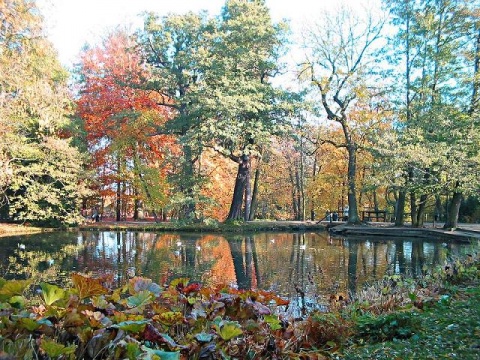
287,263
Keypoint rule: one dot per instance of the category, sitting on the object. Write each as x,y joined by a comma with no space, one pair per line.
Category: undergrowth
184,320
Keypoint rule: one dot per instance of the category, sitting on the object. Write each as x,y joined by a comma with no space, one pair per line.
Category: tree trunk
243,174
453,210
400,208
438,208
118,209
189,207
312,200
421,211
352,192
254,204
413,208
248,195
300,195
294,195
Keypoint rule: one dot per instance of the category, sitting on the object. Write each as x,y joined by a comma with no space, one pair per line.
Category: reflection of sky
407,250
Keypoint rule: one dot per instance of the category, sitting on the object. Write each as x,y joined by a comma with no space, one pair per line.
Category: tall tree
341,66
41,171
120,118
434,41
244,108
177,49
217,73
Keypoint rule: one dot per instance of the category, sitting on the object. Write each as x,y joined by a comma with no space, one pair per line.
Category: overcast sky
72,23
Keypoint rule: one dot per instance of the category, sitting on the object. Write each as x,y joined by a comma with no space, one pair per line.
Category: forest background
184,119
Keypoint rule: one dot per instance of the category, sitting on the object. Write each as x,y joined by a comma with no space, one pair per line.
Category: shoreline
465,232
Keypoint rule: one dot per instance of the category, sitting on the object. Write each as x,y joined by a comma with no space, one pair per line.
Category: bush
398,325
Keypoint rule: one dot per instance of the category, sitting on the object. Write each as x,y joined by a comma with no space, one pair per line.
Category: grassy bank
14,229
212,227
449,328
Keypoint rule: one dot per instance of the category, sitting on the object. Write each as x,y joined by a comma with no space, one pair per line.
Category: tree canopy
185,119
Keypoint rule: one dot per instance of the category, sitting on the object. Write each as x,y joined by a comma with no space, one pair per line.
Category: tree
340,65
119,119
217,73
434,42
177,50
41,171
244,108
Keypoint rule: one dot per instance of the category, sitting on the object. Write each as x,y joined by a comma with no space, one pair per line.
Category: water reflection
305,267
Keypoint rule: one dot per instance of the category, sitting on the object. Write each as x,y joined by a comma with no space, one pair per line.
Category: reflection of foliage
40,265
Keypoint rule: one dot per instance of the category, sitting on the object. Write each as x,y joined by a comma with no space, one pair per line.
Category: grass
449,329
14,229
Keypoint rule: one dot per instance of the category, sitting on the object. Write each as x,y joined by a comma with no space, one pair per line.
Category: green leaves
51,293
13,288
136,303
132,326
273,321
54,350
227,330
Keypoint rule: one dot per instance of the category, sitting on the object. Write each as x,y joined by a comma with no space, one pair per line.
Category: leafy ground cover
448,329
399,318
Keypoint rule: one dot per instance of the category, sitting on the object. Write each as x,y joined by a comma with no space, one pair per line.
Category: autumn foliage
121,119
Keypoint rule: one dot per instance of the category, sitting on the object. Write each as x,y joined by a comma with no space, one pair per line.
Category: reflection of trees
352,266
418,258
41,257
399,259
245,261
317,264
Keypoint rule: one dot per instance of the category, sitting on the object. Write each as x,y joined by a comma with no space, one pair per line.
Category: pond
298,266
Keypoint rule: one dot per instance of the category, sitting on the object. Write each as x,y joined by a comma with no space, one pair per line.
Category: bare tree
340,64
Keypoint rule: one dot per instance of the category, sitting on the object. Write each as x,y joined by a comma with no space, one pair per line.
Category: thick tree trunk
421,211
243,174
419,218
248,196
453,210
352,191
413,208
254,204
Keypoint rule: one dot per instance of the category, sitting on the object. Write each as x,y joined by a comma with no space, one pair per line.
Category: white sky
70,24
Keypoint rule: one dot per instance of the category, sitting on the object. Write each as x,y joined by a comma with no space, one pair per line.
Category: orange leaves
121,119
88,287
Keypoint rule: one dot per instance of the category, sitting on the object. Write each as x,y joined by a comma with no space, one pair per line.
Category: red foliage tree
120,118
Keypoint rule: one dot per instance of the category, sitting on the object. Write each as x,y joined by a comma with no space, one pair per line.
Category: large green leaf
51,293
12,288
132,326
151,354
273,321
28,324
137,302
227,329
55,350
